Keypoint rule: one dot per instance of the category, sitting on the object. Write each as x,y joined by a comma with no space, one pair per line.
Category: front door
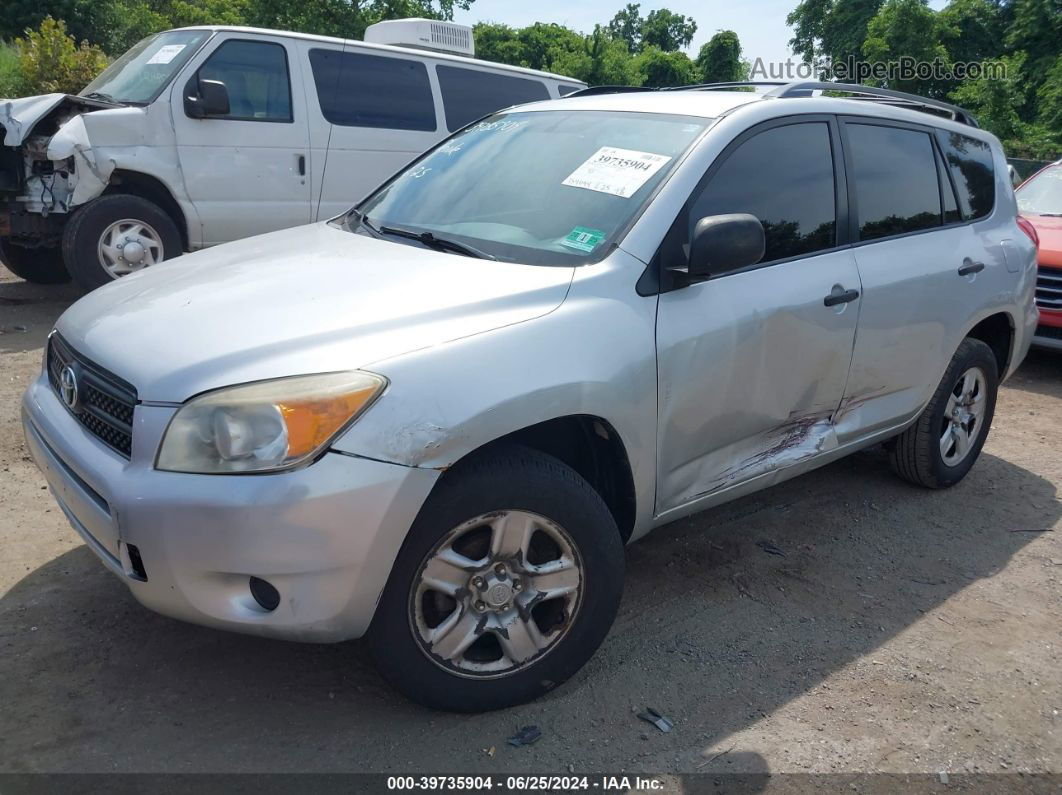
753,364
246,171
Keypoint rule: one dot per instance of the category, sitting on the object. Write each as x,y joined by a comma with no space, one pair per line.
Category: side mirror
723,243
206,98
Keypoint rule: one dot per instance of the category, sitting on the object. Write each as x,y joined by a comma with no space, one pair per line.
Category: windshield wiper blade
431,240
101,96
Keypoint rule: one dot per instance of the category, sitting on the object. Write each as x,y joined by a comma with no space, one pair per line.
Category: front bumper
325,536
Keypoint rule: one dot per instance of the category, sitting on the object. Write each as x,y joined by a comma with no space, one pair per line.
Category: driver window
255,73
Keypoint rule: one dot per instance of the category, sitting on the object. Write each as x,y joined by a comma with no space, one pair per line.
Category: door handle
833,299
969,267
302,164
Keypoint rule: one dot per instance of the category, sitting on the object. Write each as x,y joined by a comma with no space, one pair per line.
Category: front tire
36,265
506,585
115,235
943,444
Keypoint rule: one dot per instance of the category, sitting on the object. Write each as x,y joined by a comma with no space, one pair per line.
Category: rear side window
358,90
972,169
783,176
468,94
255,73
566,90
896,184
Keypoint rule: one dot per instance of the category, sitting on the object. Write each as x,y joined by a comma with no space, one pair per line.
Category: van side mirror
206,98
724,243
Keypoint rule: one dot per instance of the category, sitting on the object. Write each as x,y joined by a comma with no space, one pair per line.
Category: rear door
752,364
924,269
247,171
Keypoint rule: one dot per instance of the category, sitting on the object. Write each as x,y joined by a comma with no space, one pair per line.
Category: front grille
104,402
1049,288
1049,332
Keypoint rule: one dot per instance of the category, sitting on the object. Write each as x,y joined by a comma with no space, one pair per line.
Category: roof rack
803,88
780,89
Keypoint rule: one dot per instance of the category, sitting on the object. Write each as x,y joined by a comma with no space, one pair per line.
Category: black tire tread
46,268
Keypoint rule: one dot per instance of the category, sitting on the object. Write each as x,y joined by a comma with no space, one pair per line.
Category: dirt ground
900,631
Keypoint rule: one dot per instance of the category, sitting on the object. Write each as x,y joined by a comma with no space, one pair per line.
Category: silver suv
436,420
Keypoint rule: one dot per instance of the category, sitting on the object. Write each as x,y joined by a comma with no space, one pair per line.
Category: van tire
81,237
915,455
508,480
35,265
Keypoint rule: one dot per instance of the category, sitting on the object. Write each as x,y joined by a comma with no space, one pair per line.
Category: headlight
265,426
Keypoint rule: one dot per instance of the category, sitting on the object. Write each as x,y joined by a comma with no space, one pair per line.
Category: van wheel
507,583
115,235
941,447
37,265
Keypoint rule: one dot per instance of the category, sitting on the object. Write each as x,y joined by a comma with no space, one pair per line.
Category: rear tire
97,232
36,265
505,634
943,444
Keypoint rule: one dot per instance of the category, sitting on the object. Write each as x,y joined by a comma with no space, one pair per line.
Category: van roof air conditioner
423,34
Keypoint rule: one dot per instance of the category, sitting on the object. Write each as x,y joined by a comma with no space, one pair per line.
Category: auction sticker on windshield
617,171
166,53
583,239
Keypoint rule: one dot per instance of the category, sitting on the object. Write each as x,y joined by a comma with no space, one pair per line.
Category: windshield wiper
101,96
431,240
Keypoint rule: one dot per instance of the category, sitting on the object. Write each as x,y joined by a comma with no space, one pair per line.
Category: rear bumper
325,536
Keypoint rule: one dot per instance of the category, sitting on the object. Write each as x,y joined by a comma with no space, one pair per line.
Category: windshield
1042,195
545,188
139,76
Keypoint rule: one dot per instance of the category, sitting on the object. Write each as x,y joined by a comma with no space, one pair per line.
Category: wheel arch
997,331
137,183
591,446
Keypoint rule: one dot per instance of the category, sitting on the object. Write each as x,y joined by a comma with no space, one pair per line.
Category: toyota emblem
68,387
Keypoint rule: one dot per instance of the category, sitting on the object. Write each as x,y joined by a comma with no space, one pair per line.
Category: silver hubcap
496,594
963,417
129,245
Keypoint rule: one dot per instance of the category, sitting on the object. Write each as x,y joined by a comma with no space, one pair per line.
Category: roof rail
594,90
804,89
780,89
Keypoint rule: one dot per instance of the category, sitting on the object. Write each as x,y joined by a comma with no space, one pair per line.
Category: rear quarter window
359,90
973,171
469,94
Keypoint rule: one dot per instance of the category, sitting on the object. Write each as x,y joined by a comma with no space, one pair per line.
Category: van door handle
969,267
833,299
302,164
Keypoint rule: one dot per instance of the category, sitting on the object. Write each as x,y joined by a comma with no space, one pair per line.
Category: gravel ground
900,631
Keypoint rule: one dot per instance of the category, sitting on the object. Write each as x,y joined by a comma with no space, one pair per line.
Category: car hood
19,116
1049,229
306,300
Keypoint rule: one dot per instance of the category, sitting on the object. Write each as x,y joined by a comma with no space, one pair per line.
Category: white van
203,135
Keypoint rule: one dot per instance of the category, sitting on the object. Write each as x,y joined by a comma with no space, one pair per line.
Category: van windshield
538,187
139,76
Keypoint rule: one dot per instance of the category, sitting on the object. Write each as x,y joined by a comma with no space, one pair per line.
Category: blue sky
760,24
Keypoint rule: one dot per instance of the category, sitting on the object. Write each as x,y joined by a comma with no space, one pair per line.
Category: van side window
256,76
566,90
896,184
358,90
783,176
971,166
469,94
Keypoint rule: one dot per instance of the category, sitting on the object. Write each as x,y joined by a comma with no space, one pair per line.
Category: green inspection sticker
583,239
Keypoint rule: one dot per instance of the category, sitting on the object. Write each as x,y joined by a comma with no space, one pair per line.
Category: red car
1040,205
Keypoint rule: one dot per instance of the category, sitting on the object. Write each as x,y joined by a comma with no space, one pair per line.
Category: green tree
84,19
719,60
845,28
971,30
907,29
1049,99
51,61
626,26
661,69
1036,29
499,43
667,30
808,21
543,43
996,102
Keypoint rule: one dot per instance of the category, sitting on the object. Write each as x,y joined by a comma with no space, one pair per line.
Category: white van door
246,170
382,113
